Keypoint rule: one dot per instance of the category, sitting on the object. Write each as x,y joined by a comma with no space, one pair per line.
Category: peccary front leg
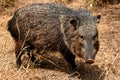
70,58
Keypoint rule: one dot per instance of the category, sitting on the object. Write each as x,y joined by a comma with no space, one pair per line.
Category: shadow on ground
85,71
91,72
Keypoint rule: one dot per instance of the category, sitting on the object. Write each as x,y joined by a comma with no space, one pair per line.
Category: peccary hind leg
20,51
18,58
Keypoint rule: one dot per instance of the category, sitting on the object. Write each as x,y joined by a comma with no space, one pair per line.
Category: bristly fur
53,27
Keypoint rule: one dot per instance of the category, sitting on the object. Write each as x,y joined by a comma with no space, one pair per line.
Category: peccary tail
13,28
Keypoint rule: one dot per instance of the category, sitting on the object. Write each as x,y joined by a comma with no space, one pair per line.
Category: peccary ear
73,22
97,18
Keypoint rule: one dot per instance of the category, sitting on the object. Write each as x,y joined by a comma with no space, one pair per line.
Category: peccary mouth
90,61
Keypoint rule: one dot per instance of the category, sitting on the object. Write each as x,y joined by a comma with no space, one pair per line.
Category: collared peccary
54,27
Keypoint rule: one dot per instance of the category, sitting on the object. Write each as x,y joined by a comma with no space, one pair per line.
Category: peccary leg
30,55
70,58
18,57
19,54
20,51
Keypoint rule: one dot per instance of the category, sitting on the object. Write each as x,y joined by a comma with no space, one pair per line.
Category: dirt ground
107,62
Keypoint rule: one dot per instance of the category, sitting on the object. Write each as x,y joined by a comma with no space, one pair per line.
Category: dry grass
7,3
107,63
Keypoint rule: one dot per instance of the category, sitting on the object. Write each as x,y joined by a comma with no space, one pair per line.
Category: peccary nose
89,61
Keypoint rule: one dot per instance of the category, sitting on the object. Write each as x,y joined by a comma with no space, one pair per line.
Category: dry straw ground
107,63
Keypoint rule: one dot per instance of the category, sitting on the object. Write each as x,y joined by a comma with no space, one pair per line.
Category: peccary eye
73,22
81,36
95,36
81,45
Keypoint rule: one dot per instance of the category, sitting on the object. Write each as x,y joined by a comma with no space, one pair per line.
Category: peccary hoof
18,63
71,69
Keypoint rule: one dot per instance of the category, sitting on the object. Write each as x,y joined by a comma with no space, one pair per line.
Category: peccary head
80,34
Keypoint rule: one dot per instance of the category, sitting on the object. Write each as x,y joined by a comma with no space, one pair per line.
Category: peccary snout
90,50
